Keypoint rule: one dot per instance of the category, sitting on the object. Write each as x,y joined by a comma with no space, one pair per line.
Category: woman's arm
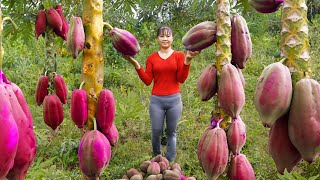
190,55
146,77
132,61
183,68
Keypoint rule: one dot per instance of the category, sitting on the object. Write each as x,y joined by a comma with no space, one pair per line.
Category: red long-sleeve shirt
166,74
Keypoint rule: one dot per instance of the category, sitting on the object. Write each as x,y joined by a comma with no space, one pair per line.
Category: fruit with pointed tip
65,25
231,92
240,168
112,134
41,23
124,42
236,135
304,119
94,153
105,110
266,6
273,93
52,111
54,20
207,83
26,151
241,45
200,36
281,149
9,135
79,107
75,37
41,89
213,152
61,88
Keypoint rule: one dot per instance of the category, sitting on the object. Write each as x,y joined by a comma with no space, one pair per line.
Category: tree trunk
92,61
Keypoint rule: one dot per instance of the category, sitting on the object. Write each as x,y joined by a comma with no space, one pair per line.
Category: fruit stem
82,83
219,121
282,61
108,25
12,22
94,124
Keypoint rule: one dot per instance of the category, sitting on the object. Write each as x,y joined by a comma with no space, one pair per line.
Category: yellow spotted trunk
92,61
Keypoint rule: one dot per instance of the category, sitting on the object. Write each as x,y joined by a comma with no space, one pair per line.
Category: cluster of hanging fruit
52,100
17,137
95,146
54,18
286,97
221,142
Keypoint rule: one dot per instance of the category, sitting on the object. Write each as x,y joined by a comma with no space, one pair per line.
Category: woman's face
165,39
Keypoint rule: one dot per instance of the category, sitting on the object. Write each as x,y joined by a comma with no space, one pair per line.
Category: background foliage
57,151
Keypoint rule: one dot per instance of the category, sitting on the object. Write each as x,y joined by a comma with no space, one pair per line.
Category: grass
57,151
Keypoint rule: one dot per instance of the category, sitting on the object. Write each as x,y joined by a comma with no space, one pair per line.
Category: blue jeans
167,108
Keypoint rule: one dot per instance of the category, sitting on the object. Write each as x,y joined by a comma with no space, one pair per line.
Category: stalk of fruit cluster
294,38
50,65
92,61
223,44
223,50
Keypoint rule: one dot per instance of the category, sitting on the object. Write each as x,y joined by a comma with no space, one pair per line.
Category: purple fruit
304,119
27,142
266,6
94,153
65,26
124,42
9,136
54,20
76,37
273,93
236,135
52,111
231,92
112,135
207,83
281,149
41,23
105,110
79,107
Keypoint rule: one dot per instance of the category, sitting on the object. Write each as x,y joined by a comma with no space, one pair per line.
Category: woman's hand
190,55
131,60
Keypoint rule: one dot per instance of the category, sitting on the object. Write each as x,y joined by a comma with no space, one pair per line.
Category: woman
167,68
